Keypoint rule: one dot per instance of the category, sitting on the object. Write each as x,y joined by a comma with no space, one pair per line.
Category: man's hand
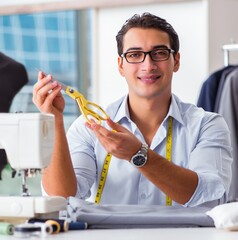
47,96
120,142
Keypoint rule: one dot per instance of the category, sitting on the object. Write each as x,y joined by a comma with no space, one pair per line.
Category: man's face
149,78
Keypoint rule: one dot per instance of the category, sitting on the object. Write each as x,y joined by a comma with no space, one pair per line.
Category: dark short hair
147,20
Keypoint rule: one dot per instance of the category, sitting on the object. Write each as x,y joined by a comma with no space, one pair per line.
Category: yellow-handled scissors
88,109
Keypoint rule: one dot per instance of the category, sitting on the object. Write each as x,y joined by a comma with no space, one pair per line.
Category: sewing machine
27,139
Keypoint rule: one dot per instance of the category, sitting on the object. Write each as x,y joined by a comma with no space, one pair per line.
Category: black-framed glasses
157,55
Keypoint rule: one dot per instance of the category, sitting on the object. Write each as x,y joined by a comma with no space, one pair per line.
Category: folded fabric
225,216
136,216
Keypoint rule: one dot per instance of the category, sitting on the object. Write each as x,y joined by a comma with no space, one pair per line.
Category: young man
164,151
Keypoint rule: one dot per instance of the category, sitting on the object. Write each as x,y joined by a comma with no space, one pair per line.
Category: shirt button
143,196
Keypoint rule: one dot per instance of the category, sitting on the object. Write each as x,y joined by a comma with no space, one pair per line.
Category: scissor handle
91,110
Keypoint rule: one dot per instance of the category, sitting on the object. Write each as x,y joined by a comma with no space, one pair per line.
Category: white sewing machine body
28,139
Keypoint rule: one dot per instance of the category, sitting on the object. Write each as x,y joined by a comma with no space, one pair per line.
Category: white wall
223,19
188,19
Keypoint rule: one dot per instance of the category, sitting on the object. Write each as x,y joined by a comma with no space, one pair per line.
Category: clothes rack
226,50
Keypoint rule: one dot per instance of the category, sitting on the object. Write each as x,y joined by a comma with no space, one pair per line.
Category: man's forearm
176,182
59,177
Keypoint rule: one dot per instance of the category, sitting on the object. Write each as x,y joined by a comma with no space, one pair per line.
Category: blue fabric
137,216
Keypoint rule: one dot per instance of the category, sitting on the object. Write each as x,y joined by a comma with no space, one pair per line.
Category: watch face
139,160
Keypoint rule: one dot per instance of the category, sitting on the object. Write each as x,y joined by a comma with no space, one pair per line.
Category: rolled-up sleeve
211,159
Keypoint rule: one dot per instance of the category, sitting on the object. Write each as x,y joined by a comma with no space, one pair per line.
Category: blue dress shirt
201,142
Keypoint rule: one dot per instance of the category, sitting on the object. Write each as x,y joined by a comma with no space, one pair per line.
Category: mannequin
13,77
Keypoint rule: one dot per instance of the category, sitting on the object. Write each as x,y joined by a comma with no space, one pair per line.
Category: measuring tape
169,151
103,177
108,160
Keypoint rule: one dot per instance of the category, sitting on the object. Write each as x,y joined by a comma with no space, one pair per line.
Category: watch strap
144,149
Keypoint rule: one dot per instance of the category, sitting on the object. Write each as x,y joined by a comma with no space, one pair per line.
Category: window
50,42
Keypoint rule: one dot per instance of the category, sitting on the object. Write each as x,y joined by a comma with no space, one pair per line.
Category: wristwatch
140,158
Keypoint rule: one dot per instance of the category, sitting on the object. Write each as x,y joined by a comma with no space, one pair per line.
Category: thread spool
6,228
59,225
77,225
46,229
55,226
30,229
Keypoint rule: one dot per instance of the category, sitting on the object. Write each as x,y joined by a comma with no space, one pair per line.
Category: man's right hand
47,96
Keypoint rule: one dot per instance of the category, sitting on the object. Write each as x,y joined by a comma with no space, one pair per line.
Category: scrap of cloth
225,216
136,216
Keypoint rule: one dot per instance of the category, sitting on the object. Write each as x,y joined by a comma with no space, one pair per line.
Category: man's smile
149,78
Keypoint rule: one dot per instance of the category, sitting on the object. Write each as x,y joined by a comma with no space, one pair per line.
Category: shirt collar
174,110
123,111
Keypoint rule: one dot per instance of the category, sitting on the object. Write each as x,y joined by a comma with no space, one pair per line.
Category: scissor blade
64,87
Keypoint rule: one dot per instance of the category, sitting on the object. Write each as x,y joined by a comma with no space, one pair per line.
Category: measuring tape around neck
168,154
107,161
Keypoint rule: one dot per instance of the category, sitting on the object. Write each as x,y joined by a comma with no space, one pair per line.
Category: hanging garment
228,108
224,76
208,93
